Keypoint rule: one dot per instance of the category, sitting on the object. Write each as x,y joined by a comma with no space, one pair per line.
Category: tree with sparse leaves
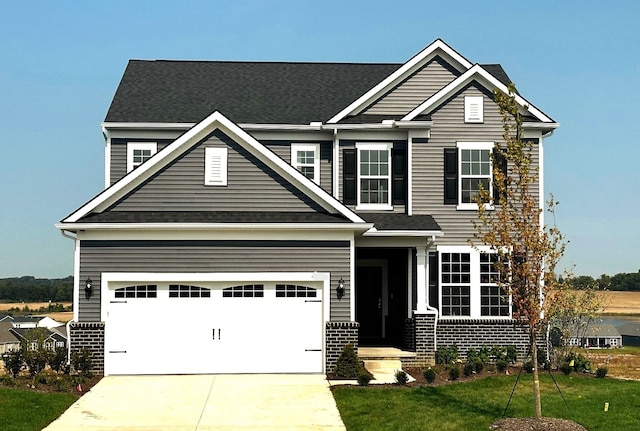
510,222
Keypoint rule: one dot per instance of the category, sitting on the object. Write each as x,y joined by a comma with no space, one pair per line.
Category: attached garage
214,323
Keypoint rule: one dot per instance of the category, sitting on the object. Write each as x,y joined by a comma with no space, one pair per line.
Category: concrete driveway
205,402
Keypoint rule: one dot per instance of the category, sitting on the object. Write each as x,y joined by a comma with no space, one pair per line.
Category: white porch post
421,275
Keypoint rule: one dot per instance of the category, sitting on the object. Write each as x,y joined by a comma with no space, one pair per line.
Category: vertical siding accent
416,89
97,257
251,185
428,165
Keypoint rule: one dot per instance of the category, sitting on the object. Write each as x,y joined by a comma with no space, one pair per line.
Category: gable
416,89
250,184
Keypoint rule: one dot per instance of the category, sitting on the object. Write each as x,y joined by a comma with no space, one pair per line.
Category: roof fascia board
146,125
403,233
385,124
473,74
198,132
214,226
405,70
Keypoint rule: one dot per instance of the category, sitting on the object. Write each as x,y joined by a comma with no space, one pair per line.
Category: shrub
429,375
483,355
468,369
36,360
58,359
528,366
447,355
6,380
501,365
566,369
402,378
14,362
478,366
60,384
82,362
601,372
41,378
454,372
580,362
364,379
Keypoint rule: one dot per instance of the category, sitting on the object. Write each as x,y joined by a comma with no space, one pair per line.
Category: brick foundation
424,337
89,335
338,335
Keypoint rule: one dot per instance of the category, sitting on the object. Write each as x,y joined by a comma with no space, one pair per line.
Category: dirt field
621,302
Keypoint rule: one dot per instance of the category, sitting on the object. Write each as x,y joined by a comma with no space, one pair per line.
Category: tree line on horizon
31,289
624,281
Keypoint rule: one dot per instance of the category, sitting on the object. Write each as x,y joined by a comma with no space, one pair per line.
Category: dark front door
369,307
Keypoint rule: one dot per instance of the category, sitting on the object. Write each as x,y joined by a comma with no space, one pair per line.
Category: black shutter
450,176
349,176
501,164
399,175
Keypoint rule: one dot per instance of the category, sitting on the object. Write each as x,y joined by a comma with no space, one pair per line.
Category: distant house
6,318
53,340
630,332
8,340
596,334
35,322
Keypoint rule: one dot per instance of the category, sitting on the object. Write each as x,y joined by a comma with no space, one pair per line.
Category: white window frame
473,146
295,148
377,146
474,109
215,166
132,146
475,303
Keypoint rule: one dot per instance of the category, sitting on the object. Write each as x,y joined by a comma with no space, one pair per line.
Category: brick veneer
89,335
338,335
424,336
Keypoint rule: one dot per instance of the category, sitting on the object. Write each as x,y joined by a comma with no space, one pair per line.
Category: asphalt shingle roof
212,217
400,221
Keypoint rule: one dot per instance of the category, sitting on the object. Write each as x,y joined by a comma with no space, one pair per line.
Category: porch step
383,362
383,353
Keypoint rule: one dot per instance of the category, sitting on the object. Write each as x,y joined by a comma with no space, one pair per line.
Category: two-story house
279,211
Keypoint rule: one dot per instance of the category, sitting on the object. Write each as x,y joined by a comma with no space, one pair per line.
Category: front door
370,302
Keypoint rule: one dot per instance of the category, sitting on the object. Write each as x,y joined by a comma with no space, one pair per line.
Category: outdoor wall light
88,288
340,289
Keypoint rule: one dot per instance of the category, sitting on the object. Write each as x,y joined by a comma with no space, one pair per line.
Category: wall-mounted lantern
340,289
88,288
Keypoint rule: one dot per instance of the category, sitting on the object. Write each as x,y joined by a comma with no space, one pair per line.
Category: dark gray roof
498,72
7,336
400,221
212,217
245,92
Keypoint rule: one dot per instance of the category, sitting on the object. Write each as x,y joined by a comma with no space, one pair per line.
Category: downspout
336,158
429,307
75,289
107,156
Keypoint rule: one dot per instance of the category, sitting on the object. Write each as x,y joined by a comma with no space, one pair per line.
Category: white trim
352,280
438,46
76,282
348,227
473,146
297,147
215,166
198,132
152,147
107,157
335,167
374,146
486,79
473,109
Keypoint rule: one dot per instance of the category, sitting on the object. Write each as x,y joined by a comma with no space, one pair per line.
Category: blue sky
60,64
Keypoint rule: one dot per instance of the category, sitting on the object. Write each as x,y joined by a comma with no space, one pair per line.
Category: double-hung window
139,152
306,159
468,284
374,176
475,172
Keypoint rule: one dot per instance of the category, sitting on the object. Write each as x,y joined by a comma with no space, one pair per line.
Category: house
6,318
34,322
8,341
595,334
630,332
52,339
289,209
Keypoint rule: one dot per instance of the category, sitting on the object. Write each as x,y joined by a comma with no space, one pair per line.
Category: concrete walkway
205,402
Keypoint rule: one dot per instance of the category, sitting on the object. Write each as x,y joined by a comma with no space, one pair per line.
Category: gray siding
118,168
416,89
428,163
283,150
97,257
251,185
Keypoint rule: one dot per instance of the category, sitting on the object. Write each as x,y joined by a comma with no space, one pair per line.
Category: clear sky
61,61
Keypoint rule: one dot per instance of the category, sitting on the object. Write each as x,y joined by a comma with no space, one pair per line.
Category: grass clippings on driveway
27,410
477,404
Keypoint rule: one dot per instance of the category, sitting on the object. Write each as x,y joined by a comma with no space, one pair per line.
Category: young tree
510,222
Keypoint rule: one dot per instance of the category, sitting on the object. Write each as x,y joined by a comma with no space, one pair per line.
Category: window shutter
399,172
215,166
349,176
501,164
450,176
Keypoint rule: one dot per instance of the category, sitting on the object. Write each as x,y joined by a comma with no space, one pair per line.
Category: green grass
476,405
25,410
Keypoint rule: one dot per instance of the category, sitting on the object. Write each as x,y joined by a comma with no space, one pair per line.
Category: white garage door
213,327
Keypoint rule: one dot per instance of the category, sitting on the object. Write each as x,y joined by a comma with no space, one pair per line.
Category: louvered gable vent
215,166
473,109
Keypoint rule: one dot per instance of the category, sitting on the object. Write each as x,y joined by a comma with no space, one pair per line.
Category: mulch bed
531,424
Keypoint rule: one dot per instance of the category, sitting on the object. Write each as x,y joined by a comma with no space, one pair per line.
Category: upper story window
374,176
473,109
215,166
467,169
306,159
139,152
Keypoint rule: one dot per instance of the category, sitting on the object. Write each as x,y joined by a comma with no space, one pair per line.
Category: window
215,166
473,109
185,291
245,291
294,291
475,172
374,176
142,291
468,284
139,152
306,159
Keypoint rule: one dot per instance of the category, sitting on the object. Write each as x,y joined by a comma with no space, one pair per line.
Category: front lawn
26,410
476,405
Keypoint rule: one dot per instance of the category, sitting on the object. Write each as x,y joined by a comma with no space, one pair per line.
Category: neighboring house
289,209
34,322
8,340
630,332
54,339
6,318
595,335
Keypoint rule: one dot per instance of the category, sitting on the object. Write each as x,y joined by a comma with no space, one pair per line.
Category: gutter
429,307
75,282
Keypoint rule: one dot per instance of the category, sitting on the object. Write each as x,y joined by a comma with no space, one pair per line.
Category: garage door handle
313,350
313,300
117,351
214,333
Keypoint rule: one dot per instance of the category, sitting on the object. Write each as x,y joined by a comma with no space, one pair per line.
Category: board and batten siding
416,89
97,257
118,156
283,150
428,162
251,185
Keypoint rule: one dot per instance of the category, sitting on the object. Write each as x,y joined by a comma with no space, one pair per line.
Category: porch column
422,264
